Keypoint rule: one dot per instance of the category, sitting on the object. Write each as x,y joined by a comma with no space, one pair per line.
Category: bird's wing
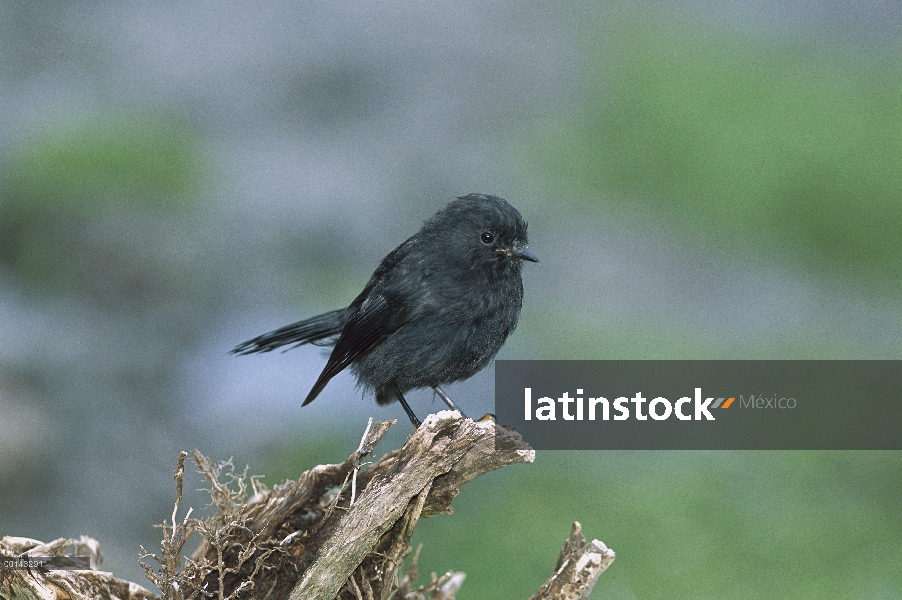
379,316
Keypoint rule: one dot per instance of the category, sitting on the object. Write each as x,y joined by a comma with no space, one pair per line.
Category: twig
357,468
578,568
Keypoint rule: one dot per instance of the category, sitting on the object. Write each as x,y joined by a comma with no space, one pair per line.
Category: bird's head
483,231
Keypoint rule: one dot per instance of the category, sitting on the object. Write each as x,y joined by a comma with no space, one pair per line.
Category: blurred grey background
702,180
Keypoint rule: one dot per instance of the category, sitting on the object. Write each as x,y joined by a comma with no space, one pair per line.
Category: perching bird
436,310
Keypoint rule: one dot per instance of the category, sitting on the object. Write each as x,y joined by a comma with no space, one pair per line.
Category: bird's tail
315,330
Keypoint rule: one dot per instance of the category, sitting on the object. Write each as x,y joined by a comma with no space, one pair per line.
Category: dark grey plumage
436,310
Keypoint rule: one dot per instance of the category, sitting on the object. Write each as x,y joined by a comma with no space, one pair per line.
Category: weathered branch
578,568
338,531
40,583
445,445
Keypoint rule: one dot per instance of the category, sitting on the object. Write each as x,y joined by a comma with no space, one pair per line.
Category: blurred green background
702,180
781,150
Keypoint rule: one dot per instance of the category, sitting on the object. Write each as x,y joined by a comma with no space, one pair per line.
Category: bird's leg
444,396
413,418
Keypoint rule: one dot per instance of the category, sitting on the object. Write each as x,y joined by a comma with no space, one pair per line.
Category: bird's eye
487,238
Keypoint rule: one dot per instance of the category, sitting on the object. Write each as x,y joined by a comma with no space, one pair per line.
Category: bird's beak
522,251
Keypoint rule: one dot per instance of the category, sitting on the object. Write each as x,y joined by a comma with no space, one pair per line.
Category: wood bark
338,531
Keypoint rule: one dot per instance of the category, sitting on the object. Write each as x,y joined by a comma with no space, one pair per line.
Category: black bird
436,310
